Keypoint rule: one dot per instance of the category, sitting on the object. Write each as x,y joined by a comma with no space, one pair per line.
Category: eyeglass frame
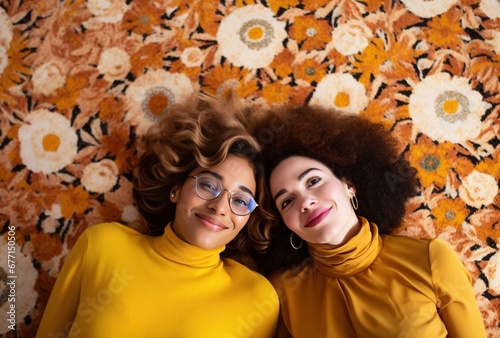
220,194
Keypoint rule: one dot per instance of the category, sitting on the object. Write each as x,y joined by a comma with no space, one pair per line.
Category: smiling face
313,202
212,224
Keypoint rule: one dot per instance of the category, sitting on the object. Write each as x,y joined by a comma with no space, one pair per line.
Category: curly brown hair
354,148
200,133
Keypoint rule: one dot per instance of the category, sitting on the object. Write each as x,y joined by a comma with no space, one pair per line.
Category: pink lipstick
317,217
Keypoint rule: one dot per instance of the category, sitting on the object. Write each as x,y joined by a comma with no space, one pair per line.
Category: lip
317,217
210,223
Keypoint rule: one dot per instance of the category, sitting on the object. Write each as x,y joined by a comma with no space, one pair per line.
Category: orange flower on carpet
310,33
73,200
149,56
276,92
142,17
336,59
310,70
46,245
369,61
226,77
402,58
376,112
120,145
191,72
17,70
206,11
445,30
432,161
276,5
485,64
67,96
450,212
490,165
282,63
312,5
109,108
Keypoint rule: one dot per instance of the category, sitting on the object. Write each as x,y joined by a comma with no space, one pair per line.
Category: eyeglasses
209,188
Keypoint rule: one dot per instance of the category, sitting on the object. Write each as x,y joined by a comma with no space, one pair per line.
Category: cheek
290,220
240,222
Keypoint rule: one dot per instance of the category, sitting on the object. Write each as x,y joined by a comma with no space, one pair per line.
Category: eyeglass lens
209,188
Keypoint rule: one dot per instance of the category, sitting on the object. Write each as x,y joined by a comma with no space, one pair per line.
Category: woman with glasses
198,186
339,187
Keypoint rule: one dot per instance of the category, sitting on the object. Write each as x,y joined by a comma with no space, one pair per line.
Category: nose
307,202
220,205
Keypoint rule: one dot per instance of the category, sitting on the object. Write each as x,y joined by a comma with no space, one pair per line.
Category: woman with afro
339,187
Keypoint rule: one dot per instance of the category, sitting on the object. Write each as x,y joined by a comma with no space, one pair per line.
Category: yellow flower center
51,142
451,106
341,100
255,33
158,103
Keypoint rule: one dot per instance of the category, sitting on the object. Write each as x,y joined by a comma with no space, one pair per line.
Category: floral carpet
81,81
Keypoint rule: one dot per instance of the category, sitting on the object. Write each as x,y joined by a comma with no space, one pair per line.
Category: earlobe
349,187
173,194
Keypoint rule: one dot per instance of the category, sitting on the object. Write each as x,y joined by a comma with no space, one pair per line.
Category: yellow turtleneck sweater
119,283
378,286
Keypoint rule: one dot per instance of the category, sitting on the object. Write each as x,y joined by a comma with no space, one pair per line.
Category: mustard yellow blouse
119,283
379,286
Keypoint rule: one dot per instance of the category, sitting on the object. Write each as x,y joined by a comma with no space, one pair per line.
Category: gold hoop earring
354,202
291,242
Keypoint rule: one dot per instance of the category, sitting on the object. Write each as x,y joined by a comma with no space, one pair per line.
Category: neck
350,230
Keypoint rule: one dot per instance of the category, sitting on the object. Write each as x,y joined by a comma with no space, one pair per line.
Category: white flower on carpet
491,8
6,33
478,189
351,37
251,36
114,63
48,143
6,29
47,78
109,11
447,109
150,96
4,59
25,294
342,92
429,9
100,177
192,57
130,214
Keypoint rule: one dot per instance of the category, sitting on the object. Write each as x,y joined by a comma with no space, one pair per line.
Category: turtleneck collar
170,246
351,258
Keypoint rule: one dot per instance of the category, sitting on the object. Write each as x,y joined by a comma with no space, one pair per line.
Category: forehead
234,172
294,165
288,171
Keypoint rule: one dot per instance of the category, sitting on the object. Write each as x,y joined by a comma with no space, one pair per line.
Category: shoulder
110,229
246,276
295,276
404,246
444,259
109,236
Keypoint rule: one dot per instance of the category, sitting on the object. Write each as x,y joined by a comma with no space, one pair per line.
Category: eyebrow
220,178
300,177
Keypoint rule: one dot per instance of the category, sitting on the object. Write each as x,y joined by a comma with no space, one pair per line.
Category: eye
313,181
285,202
208,186
241,201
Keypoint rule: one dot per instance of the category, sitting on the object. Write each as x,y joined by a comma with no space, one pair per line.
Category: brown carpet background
81,81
